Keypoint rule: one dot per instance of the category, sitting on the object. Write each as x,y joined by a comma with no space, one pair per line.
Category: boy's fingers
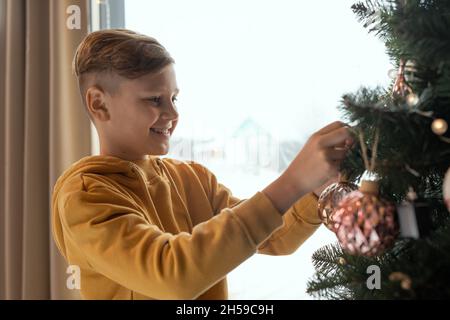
349,142
336,137
336,154
332,126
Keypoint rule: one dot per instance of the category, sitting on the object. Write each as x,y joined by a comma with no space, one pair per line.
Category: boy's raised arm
300,220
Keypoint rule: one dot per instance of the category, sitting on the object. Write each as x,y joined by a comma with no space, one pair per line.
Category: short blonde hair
118,51
122,51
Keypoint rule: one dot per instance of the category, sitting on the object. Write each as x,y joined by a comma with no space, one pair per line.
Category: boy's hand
320,158
317,163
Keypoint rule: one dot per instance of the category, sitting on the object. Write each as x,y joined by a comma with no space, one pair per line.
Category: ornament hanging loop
401,89
369,165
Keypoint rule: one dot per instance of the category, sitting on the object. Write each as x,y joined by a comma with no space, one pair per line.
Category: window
257,78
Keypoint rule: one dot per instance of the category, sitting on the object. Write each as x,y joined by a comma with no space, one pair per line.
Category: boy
142,227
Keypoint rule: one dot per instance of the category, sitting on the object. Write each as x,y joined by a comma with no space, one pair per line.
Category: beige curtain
44,129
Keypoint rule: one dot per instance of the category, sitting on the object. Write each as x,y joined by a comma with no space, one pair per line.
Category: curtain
44,129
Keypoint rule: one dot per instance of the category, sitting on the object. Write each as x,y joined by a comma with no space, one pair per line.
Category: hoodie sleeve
119,242
299,222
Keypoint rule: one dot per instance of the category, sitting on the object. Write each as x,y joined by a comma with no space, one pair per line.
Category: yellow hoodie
165,229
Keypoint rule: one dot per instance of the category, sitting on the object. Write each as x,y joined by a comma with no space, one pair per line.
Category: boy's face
142,116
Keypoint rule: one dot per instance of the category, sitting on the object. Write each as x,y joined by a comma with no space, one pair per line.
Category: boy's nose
170,112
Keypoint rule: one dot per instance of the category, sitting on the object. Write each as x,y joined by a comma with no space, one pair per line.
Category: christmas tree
402,135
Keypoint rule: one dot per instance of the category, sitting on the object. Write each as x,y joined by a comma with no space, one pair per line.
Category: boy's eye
157,100
154,99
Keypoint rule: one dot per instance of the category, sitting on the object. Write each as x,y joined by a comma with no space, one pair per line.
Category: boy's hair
117,51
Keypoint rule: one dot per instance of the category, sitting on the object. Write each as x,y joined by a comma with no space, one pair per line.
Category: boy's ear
96,103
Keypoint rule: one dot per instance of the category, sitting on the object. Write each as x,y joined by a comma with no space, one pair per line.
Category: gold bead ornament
439,126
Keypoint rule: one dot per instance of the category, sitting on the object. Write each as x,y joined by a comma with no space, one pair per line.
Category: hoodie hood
104,165
96,165
101,165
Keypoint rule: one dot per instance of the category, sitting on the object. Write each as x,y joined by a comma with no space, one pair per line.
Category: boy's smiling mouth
162,131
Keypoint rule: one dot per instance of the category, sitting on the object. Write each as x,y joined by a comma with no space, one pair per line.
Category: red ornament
364,223
329,201
446,189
